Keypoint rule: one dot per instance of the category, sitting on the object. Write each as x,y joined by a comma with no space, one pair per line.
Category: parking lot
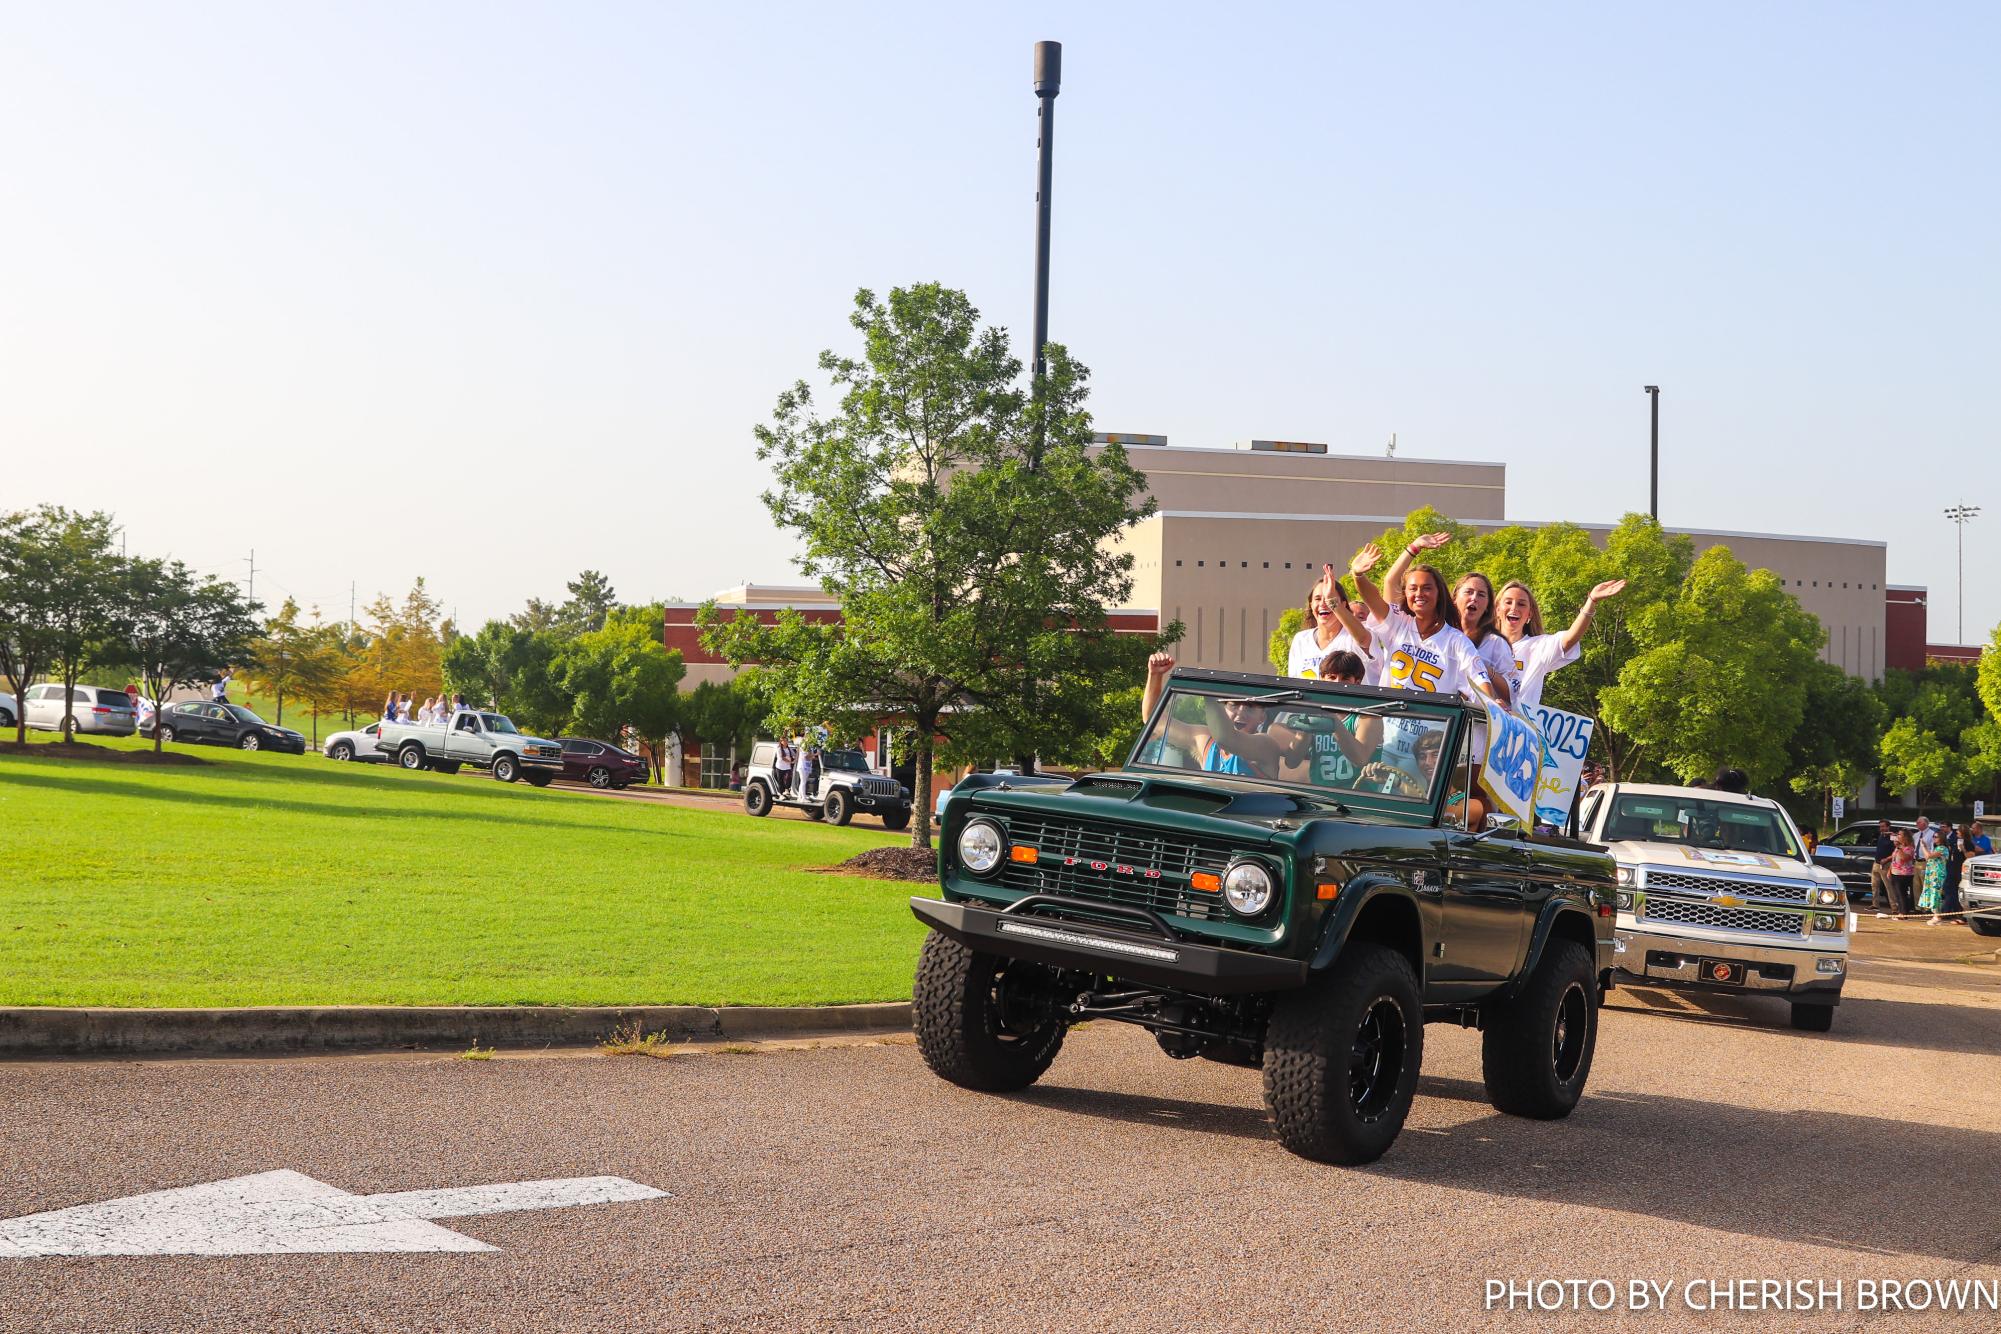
842,1186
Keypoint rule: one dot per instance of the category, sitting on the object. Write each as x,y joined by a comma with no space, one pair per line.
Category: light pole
1048,82
1960,515
1654,472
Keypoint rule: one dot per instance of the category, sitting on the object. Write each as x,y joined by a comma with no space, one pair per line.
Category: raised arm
1365,560
1356,630
1610,588
1261,751
1393,581
1157,668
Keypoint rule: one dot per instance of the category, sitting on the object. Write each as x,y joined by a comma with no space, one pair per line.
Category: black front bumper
1160,959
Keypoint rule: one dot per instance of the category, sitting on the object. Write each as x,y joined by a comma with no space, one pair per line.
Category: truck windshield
494,722
1302,741
1697,822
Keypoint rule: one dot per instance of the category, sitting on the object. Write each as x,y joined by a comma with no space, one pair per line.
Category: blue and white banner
1566,741
1512,768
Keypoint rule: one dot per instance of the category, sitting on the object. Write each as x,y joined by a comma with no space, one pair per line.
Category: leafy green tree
537,617
406,650
1279,651
1835,746
623,676
180,630
317,667
1942,744
1721,673
1987,675
961,524
512,670
82,595
274,664
29,612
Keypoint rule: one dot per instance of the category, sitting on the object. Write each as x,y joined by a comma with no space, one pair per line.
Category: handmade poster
1566,740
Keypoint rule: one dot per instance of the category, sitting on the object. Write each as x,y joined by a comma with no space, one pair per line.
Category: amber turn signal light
1018,853
1206,881
1326,889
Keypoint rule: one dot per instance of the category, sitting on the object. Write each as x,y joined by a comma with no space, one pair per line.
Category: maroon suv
600,765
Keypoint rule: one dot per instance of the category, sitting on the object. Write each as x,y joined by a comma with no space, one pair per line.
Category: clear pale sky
491,293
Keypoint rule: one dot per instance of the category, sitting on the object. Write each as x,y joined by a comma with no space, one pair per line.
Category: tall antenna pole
1048,82
250,592
1961,515
1654,469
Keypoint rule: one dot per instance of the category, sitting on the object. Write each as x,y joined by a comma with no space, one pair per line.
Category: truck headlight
1625,900
1827,921
1827,898
1247,888
1626,876
980,846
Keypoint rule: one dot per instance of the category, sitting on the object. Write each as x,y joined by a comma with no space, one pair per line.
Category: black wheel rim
1376,1060
1573,1017
1011,1009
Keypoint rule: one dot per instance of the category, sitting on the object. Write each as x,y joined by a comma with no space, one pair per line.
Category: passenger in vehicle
1536,654
1335,758
1334,623
1230,739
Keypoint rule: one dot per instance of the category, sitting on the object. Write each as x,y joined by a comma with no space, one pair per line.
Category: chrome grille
1736,919
879,787
1709,884
1116,864
1984,875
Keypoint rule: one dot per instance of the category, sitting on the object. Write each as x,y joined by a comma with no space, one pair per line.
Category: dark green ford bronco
1280,877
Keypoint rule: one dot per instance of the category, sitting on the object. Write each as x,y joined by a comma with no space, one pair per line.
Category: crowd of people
1918,870
1413,632
798,767
435,711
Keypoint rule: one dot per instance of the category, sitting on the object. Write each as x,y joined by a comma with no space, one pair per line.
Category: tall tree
181,630
275,656
1834,748
972,571
407,649
537,617
29,613
87,593
591,600
317,668
1941,744
512,670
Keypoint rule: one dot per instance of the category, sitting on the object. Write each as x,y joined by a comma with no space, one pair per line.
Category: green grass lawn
292,880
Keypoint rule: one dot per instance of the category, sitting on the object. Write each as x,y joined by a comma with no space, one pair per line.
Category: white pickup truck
484,740
1716,893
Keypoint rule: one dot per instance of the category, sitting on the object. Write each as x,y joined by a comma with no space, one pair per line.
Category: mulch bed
918,865
83,750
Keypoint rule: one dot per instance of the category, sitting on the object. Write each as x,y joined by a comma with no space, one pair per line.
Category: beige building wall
1245,481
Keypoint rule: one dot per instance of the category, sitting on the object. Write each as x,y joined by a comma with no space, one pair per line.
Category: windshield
1300,740
241,714
496,723
1696,822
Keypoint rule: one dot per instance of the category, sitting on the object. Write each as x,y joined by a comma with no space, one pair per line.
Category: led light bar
1090,942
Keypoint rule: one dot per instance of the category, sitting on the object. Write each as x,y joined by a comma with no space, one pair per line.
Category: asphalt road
843,1187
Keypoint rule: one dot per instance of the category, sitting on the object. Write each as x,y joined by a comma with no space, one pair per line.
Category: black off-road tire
838,809
757,799
506,768
896,821
538,777
340,750
1342,1056
1812,1018
814,813
1536,1049
960,1031
412,757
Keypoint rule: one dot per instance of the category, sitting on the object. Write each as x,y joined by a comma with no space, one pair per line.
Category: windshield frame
1449,713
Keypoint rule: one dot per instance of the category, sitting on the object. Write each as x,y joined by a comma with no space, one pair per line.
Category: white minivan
97,709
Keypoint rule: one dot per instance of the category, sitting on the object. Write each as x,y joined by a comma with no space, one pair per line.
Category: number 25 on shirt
1407,671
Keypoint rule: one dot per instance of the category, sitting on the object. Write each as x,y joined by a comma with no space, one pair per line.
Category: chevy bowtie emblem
1727,901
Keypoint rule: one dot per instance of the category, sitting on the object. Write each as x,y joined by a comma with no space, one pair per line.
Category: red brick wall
1904,629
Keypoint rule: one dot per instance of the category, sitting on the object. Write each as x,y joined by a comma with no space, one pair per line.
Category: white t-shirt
1304,656
1536,656
1445,662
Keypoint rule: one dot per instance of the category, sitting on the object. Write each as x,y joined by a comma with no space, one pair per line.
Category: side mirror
1826,851
1498,825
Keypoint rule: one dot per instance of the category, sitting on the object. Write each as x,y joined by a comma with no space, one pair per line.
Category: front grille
1709,884
1985,875
1736,919
879,787
1141,869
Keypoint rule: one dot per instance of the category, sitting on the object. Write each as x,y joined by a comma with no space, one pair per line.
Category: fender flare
1545,926
1338,925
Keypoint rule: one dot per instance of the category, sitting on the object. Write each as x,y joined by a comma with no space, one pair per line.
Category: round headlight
1624,875
980,846
1826,896
1247,888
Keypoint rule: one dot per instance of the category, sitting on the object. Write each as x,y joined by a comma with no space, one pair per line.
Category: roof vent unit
1112,438
1285,447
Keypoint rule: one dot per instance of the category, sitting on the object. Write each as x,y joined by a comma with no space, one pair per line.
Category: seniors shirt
1535,657
1304,656
1446,661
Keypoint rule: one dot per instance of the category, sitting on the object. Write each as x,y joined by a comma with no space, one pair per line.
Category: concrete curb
31,1031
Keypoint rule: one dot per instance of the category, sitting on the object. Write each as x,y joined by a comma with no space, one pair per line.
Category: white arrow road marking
289,1213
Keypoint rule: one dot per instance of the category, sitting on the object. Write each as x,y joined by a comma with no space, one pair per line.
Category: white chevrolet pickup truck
1716,893
484,740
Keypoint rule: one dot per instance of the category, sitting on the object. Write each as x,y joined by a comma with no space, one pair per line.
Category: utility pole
1961,515
1654,493
250,592
350,607
1048,82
